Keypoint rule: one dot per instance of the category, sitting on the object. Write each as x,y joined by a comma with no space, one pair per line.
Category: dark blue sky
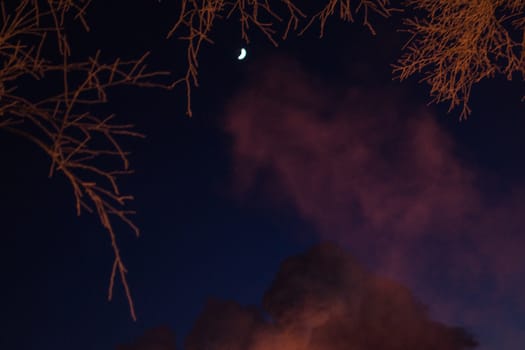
200,237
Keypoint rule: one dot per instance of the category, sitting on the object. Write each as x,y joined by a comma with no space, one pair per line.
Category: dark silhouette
324,300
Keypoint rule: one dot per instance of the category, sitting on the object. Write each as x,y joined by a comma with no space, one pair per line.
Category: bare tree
454,44
63,124
457,43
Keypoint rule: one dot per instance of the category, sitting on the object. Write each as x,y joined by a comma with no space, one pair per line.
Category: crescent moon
242,55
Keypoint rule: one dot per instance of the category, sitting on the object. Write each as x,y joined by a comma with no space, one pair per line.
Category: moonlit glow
242,55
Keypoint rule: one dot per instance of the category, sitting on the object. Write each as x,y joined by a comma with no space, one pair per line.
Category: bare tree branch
458,43
196,20
78,142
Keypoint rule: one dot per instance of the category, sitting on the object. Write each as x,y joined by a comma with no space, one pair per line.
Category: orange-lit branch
346,10
80,144
196,20
458,43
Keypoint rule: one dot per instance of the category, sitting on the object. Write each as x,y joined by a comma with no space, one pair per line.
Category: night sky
308,142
